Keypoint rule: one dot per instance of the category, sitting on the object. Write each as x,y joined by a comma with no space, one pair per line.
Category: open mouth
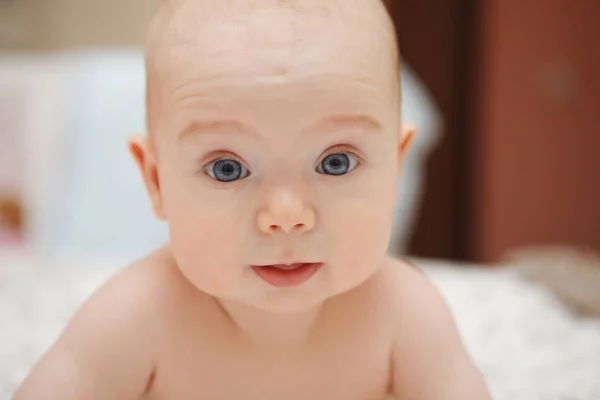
287,275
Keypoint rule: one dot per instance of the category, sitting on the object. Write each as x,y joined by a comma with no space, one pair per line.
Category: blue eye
227,170
337,164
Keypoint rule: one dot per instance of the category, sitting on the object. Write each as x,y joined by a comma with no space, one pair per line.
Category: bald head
228,35
183,20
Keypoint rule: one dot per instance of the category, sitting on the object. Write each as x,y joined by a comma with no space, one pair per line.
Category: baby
273,151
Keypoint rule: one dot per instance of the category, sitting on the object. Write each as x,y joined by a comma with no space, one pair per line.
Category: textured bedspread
528,345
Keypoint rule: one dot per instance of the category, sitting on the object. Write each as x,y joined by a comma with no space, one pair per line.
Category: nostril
276,228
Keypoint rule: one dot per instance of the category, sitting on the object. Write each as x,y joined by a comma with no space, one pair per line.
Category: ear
406,134
140,149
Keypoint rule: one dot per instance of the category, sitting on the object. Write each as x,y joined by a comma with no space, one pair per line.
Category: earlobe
146,161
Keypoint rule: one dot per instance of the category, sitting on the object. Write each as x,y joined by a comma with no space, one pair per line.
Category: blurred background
517,83
505,170
506,94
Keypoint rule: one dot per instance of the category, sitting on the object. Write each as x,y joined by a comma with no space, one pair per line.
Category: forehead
271,41
313,50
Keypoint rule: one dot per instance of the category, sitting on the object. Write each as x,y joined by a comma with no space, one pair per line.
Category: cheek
205,236
364,221
203,251
369,225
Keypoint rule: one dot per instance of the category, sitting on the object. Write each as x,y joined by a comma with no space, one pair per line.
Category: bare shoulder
409,286
429,357
107,347
417,303
404,296
129,298
139,301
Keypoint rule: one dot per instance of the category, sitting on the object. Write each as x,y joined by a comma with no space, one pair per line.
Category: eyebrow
365,122
226,125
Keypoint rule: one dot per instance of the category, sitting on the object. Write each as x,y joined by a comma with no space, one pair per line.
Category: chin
302,299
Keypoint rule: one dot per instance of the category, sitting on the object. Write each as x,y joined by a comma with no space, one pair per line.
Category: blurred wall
538,142
52,24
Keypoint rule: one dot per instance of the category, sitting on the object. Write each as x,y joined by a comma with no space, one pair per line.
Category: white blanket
528,345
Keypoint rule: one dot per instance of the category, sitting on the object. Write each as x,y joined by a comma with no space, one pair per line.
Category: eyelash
217,156
345,149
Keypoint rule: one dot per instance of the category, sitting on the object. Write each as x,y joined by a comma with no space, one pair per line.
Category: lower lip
285,278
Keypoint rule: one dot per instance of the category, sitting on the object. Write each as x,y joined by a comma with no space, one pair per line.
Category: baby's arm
103,353
430,361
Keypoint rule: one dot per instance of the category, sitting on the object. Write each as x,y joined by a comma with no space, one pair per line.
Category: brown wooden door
538,153
436,39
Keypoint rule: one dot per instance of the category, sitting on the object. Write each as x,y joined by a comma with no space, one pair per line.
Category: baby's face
277,142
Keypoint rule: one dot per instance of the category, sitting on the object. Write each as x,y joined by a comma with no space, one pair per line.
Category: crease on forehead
180,23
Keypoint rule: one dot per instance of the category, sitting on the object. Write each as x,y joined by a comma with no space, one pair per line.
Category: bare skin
150,334
274,140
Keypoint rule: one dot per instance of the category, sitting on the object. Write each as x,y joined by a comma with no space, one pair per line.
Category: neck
268,328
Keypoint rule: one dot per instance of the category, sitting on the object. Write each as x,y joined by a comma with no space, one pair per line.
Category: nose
286,212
